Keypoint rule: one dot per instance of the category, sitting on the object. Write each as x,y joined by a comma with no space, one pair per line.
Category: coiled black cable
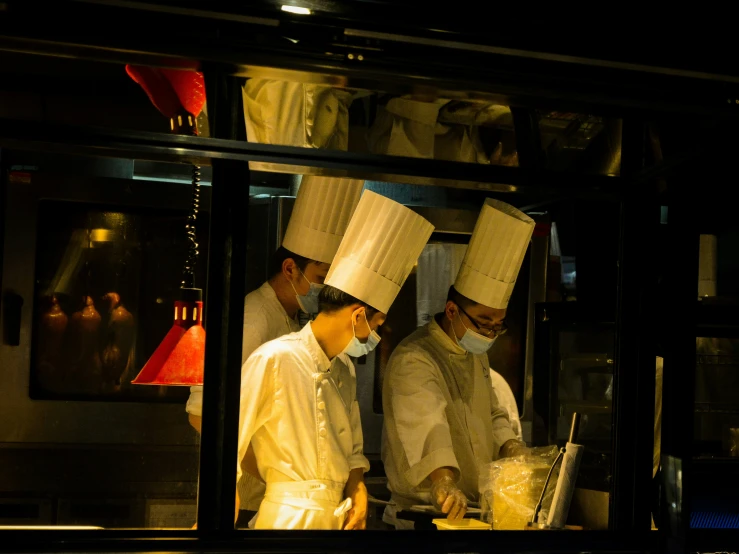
188,273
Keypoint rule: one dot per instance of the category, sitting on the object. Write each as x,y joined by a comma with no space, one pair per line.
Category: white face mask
309,302
472,342
356,348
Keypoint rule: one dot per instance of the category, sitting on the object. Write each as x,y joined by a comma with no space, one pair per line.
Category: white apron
311,504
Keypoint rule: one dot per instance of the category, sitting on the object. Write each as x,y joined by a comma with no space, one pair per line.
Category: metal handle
539,504
575,427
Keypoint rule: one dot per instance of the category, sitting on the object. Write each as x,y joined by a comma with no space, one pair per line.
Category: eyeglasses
486,331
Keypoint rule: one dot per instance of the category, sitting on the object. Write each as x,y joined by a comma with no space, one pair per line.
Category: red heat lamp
179,360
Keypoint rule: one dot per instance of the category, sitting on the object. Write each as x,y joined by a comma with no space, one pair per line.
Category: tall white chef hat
495,254
322,211
378,252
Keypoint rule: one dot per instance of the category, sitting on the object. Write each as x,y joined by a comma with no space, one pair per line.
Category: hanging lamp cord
188,274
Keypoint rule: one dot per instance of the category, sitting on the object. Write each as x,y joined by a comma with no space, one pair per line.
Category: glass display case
93,261
573,373
715,449
104,280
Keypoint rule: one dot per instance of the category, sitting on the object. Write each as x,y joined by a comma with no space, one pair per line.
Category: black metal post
225,314
3,189
635,351
680,323
528,138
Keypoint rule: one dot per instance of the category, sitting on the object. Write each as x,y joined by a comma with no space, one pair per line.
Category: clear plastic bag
510,488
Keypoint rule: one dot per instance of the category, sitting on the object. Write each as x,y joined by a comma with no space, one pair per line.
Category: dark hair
459,299
331,299
282,254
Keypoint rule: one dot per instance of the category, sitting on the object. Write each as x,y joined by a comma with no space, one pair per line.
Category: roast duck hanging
53,326
85,367
119,340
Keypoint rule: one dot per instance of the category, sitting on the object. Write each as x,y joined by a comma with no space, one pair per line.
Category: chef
298,408
442,418
507,401
321,214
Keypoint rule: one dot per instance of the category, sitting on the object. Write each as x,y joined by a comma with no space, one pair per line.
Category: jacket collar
271,296
319,356
444,340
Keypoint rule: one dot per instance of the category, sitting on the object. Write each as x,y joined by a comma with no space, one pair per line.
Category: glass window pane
547,383
443,125
93,262
581,142
716,408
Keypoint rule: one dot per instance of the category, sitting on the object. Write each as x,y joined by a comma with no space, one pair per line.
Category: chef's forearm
356,476
249,463
441,472
512,447
195,421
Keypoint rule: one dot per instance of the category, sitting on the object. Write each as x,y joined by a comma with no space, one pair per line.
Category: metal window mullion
225,315
635,349
680,321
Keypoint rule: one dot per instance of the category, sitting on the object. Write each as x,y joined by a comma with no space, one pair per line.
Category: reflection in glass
102,290
574,373
566,136
418,126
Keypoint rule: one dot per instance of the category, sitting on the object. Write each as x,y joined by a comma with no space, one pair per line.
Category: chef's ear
288,267
451,309
358,314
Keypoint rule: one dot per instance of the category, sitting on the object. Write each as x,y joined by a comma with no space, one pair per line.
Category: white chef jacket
507,401
264,319
296,114
300,412
440,411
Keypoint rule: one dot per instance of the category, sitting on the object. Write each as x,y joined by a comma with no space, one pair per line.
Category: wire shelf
716,359
717,407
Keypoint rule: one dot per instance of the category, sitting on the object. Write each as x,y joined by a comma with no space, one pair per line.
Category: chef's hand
356,517
513,448
446,496
236,507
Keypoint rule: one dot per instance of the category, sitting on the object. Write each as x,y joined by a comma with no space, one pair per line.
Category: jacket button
321,405
322,432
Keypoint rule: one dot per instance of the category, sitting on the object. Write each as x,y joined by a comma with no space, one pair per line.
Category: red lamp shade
180,357
178,94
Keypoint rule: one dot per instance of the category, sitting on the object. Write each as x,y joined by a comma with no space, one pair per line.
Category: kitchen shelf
585,407
717,317
716,408
717,359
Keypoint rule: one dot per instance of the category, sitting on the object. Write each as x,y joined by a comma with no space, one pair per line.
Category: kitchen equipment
571,456
573,373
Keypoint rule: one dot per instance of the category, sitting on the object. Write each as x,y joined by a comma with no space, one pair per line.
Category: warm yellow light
296,9
101,235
